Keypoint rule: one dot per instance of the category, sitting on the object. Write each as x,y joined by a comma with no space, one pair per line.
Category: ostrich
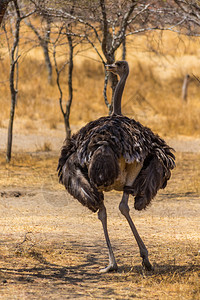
116,152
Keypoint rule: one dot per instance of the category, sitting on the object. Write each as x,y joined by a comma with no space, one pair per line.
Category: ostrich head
119,68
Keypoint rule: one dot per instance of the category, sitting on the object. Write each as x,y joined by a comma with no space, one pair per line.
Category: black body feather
89,160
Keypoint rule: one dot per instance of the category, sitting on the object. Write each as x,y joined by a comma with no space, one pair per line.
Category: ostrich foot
109,268
146,264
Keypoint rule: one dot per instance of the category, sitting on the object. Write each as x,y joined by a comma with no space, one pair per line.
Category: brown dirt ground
52,248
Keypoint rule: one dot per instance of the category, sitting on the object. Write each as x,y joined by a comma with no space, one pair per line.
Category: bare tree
14,57
65,111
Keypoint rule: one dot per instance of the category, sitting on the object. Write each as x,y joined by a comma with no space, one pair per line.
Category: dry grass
56,246
46,147
152,95
168,281
27,170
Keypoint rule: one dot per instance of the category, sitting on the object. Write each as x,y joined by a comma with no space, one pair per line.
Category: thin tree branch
95,48
137,14
59,13
105,27
120,36
58,79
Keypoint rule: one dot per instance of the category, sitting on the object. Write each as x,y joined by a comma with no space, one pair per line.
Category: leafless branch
137,14
95,48
64,15
120,36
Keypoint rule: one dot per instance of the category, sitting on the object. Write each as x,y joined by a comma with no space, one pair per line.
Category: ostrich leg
123,206
102,215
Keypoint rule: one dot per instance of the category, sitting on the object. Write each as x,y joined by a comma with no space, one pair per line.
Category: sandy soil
52,248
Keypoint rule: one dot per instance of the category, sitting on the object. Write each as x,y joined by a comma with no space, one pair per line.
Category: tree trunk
13,91
47,61
46,51
70,87
124,49
10,126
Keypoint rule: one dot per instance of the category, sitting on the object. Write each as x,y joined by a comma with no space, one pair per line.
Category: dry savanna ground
50,246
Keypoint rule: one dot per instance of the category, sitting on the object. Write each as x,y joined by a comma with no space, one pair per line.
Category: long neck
118,95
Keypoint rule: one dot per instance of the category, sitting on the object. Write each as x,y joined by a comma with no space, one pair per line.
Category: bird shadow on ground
48,271
29,262
41,268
